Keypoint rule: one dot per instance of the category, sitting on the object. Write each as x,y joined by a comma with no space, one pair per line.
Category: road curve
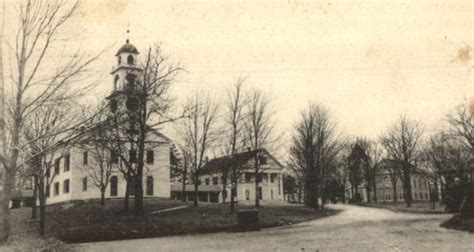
354,229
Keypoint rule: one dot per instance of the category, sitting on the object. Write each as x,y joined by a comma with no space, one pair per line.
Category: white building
70,181
211,187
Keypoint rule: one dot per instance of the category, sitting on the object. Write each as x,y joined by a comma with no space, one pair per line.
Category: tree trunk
344,191
42,206
196,192
138,206
367,189
375,191
316,197
257,193
395,193
8,184
34,211
127,195
232,197
407,188
323,196
184,181
102,197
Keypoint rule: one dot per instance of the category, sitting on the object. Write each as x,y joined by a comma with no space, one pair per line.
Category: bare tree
97,160
314,152
34,83
199,133
402,144
357,160
180,166
48,134
235,139
147,105
462,126
259,130
370,167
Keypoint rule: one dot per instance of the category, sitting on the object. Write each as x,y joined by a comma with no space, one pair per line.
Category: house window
426,195
66,186
113,186
56,189
131,186
149,185
263,160
132,156
48,171
84,158
272,178
271,193
260,194
48,190
247,177
130,59
247,194
207,181
56,166
84,184
215,180
66,162
150,157
114,157
414,183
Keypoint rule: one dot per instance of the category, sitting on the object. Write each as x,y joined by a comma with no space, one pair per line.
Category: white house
211,187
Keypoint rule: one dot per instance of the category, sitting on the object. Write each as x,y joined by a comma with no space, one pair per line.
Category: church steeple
127,69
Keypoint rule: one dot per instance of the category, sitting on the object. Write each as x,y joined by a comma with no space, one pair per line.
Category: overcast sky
367,62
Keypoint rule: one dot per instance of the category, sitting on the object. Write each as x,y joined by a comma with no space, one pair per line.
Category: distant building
211,187
420,186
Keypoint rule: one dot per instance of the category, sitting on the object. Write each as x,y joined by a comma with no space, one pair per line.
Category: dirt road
354,229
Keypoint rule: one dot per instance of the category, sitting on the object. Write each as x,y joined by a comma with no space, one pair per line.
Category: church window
130,59
116,82
149,185
113,186
150,157
119,60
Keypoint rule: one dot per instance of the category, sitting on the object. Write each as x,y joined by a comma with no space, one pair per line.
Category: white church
70,182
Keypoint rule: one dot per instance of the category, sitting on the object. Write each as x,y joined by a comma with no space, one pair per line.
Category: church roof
127,48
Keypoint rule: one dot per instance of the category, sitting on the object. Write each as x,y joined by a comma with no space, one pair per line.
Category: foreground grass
91,222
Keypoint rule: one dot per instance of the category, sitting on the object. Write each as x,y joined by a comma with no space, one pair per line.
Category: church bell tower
125,75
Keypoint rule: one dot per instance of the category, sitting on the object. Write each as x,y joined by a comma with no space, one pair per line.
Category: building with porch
212,189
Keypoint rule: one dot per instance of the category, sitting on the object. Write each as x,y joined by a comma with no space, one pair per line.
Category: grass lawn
416,207
89,222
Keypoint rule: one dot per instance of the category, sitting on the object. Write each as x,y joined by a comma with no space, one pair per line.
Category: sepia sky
367,61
